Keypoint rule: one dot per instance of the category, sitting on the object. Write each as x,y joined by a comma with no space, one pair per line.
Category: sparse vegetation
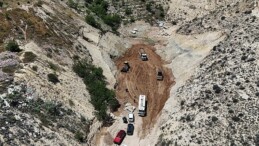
29,57
100,7
53,66
101,97
12,46
53,78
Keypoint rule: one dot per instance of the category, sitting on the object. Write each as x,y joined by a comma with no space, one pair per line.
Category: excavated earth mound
141,79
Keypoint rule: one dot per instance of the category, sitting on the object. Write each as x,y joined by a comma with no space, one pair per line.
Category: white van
131,117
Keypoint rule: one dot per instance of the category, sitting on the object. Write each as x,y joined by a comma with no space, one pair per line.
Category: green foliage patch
12,46
101,97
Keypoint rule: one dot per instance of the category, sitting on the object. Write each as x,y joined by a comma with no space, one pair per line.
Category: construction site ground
141,79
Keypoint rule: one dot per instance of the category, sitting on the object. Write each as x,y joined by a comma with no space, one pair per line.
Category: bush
113,21
35,68
101,97
12,46
128,11
72,4
53,78
79,136
53,66
29,57
71,103
91,21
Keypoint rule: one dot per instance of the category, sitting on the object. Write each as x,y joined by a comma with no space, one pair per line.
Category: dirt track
141,79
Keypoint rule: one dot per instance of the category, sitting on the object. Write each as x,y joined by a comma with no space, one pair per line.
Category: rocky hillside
218,104
43,101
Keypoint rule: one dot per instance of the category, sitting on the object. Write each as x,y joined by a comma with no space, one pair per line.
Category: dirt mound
141,79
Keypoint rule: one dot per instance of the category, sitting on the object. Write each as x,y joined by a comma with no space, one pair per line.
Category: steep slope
217,105
44,102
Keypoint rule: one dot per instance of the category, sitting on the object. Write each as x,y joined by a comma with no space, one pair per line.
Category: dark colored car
130,129
124,120
119,137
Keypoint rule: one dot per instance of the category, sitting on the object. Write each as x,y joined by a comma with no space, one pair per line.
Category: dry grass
37,29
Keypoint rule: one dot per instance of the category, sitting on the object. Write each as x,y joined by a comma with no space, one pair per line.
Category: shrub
9,69
35,68
53,66
53,78
91,21
128,11
71,103
79,136
72,4
29,57
148,7
39,3
12,46
113,21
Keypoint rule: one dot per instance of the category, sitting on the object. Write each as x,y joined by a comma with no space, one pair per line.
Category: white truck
143,55
142,105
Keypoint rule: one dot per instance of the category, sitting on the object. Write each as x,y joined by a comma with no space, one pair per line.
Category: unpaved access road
141,79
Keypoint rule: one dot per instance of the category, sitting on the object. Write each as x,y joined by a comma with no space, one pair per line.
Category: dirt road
141,79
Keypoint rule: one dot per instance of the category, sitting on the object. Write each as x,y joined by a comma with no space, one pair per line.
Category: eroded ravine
141,79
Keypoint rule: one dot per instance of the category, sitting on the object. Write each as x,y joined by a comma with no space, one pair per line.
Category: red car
119,137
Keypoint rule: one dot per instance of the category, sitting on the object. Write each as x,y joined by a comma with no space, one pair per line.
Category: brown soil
141,79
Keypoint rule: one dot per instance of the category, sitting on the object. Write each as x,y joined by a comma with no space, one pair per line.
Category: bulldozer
126,67
160,75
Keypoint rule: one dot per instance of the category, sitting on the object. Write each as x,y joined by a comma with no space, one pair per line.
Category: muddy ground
141,79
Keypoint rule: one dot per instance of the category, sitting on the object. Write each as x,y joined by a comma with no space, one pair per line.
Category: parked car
130,129
125,120
119,137
131,117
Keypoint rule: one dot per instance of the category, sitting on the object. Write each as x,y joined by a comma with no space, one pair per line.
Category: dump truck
160,75
142,105
143,55
126,67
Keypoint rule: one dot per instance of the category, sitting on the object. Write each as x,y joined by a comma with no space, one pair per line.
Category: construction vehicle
142,105
126,67
143,55
160,75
